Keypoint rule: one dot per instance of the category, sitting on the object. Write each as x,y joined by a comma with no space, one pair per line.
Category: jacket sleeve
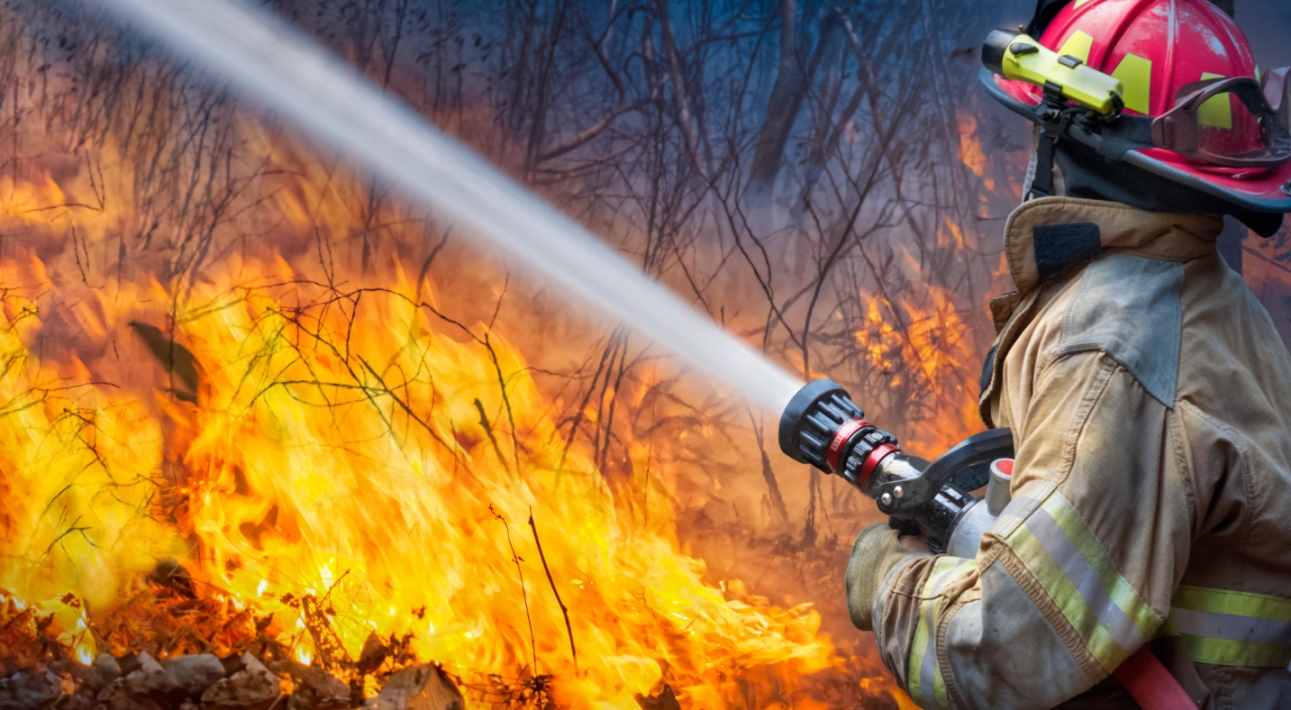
1078,571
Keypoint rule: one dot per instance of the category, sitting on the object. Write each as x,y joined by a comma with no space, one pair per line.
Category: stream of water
305,84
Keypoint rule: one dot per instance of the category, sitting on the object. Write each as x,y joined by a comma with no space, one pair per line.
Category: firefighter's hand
914,543
877,549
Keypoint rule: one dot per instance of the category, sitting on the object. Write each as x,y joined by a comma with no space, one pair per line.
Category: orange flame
337,452
970,147
340,453
930,346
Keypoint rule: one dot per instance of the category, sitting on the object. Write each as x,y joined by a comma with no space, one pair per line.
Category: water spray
822,426
307,85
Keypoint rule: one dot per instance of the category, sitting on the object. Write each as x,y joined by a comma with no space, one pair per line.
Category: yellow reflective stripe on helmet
1069,562
1078,45
1217,111
925,676
1135,74
1229,628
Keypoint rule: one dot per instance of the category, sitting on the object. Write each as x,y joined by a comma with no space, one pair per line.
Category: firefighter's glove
876,551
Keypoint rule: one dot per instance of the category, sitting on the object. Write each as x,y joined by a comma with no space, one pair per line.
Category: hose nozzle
823,427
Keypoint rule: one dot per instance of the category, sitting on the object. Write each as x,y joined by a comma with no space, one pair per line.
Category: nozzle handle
977,450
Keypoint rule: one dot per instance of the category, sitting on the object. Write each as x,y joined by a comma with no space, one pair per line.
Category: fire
296,454
336,478
921,346
970,147
327,465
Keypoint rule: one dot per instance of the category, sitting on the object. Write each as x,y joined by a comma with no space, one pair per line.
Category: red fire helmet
1186,66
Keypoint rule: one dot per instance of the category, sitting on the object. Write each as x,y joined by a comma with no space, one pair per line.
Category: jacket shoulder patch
1129,308
1059,246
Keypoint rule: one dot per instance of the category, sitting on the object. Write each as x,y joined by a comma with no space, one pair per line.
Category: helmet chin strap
1055,116
1031,164
1042,177
1042,180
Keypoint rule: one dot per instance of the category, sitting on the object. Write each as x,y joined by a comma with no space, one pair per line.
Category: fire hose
823,427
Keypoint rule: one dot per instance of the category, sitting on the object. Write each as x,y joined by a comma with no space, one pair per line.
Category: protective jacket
1150,401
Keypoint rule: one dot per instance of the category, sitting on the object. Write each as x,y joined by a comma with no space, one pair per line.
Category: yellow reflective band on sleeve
1223,601
1228,628
927,685
1226,652
1074,568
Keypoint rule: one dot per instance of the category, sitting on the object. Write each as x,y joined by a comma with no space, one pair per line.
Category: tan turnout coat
1150,401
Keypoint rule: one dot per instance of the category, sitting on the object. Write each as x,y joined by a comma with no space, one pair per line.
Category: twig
430,259
563,610
497,368
768,474
533,649
333,586
488,429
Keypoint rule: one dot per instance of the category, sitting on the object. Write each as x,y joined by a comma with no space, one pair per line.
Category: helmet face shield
1224,122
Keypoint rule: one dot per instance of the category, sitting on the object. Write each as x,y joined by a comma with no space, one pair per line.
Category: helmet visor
1224,122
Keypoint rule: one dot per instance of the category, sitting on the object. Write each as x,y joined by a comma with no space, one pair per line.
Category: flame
343,463
970,147
926,352
336,460
331,477
952,234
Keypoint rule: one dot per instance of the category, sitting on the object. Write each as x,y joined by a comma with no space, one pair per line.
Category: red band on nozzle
840,437
872,461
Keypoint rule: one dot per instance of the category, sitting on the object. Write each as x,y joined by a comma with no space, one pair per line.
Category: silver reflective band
1230,626
1063,550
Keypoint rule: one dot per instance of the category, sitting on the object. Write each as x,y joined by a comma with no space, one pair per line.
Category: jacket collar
1046,236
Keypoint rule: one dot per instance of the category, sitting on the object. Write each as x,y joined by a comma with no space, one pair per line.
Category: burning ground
336,471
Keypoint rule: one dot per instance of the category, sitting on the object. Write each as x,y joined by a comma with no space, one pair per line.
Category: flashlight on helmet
1018,56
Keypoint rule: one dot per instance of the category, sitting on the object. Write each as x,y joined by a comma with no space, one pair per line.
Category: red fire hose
1148,681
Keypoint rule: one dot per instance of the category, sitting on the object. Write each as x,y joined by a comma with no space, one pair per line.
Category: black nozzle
993,50
812,419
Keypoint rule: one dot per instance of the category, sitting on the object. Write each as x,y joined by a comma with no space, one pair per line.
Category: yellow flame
335,452
338,453
970,147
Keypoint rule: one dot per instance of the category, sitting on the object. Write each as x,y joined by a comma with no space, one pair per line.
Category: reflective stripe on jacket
1227,628
1150,400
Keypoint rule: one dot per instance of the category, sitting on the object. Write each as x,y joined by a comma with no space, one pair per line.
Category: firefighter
1145,557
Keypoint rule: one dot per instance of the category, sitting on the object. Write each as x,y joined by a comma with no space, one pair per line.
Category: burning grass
330,467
